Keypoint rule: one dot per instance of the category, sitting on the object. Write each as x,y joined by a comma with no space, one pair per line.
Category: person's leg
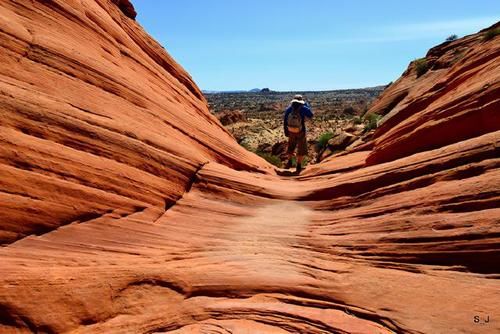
299,159
292,143
301,150
290,161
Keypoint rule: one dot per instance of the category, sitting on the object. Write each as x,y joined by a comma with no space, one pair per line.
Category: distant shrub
458,54
451,38
357,120
246,146
349,111
272,159
305,161
371,120
323,140
421,66
365,110
490,34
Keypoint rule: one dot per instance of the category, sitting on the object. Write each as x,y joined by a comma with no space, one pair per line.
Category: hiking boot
298,168
288,164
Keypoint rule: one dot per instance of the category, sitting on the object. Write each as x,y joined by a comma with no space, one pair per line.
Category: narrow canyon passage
126,207
231,256
268,247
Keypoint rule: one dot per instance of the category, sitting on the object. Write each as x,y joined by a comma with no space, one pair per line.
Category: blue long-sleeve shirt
305,111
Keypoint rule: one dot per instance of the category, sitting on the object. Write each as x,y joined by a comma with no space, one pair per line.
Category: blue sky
305,45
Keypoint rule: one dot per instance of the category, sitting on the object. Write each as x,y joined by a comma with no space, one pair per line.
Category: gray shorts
299,139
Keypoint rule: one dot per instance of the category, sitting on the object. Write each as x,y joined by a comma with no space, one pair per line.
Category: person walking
295,130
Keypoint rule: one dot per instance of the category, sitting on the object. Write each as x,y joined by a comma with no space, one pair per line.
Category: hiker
295,130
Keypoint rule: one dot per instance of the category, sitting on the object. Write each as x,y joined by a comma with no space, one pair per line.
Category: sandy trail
260,240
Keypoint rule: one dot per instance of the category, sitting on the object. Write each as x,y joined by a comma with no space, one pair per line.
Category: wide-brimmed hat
298,99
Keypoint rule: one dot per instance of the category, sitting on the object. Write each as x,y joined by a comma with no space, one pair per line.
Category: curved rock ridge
127,208
95,115
457,98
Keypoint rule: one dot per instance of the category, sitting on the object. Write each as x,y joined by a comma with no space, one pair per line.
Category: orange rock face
127,208
95,116
456,99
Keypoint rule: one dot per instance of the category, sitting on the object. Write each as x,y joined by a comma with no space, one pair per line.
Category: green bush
272,159
245,145
371,121
357,120
451,38
421,66
491,33
305,161
458,54
323,140
349,111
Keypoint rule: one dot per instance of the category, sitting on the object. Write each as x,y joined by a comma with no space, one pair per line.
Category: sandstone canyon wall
95,115
454,100
127,208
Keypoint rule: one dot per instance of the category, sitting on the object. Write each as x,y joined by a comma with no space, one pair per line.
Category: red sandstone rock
126,7
95,118
127,208
457,99
230,117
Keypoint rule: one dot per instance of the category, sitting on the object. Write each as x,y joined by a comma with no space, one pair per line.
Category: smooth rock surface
127,208
456,99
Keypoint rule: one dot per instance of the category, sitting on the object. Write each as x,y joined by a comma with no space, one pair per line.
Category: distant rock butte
126,207
230,117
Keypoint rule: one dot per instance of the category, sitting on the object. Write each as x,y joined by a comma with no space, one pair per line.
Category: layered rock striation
453,96
95,116
127,208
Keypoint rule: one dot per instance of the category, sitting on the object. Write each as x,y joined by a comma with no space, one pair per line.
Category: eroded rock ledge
126,7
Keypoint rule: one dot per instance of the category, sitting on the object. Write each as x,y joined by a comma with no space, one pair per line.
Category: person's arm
307,110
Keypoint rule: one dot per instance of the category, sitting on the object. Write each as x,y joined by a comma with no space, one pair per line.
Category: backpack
295,120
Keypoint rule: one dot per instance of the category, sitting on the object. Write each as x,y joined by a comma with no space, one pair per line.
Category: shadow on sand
287,172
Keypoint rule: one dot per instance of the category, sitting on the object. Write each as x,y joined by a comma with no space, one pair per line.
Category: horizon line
214,91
